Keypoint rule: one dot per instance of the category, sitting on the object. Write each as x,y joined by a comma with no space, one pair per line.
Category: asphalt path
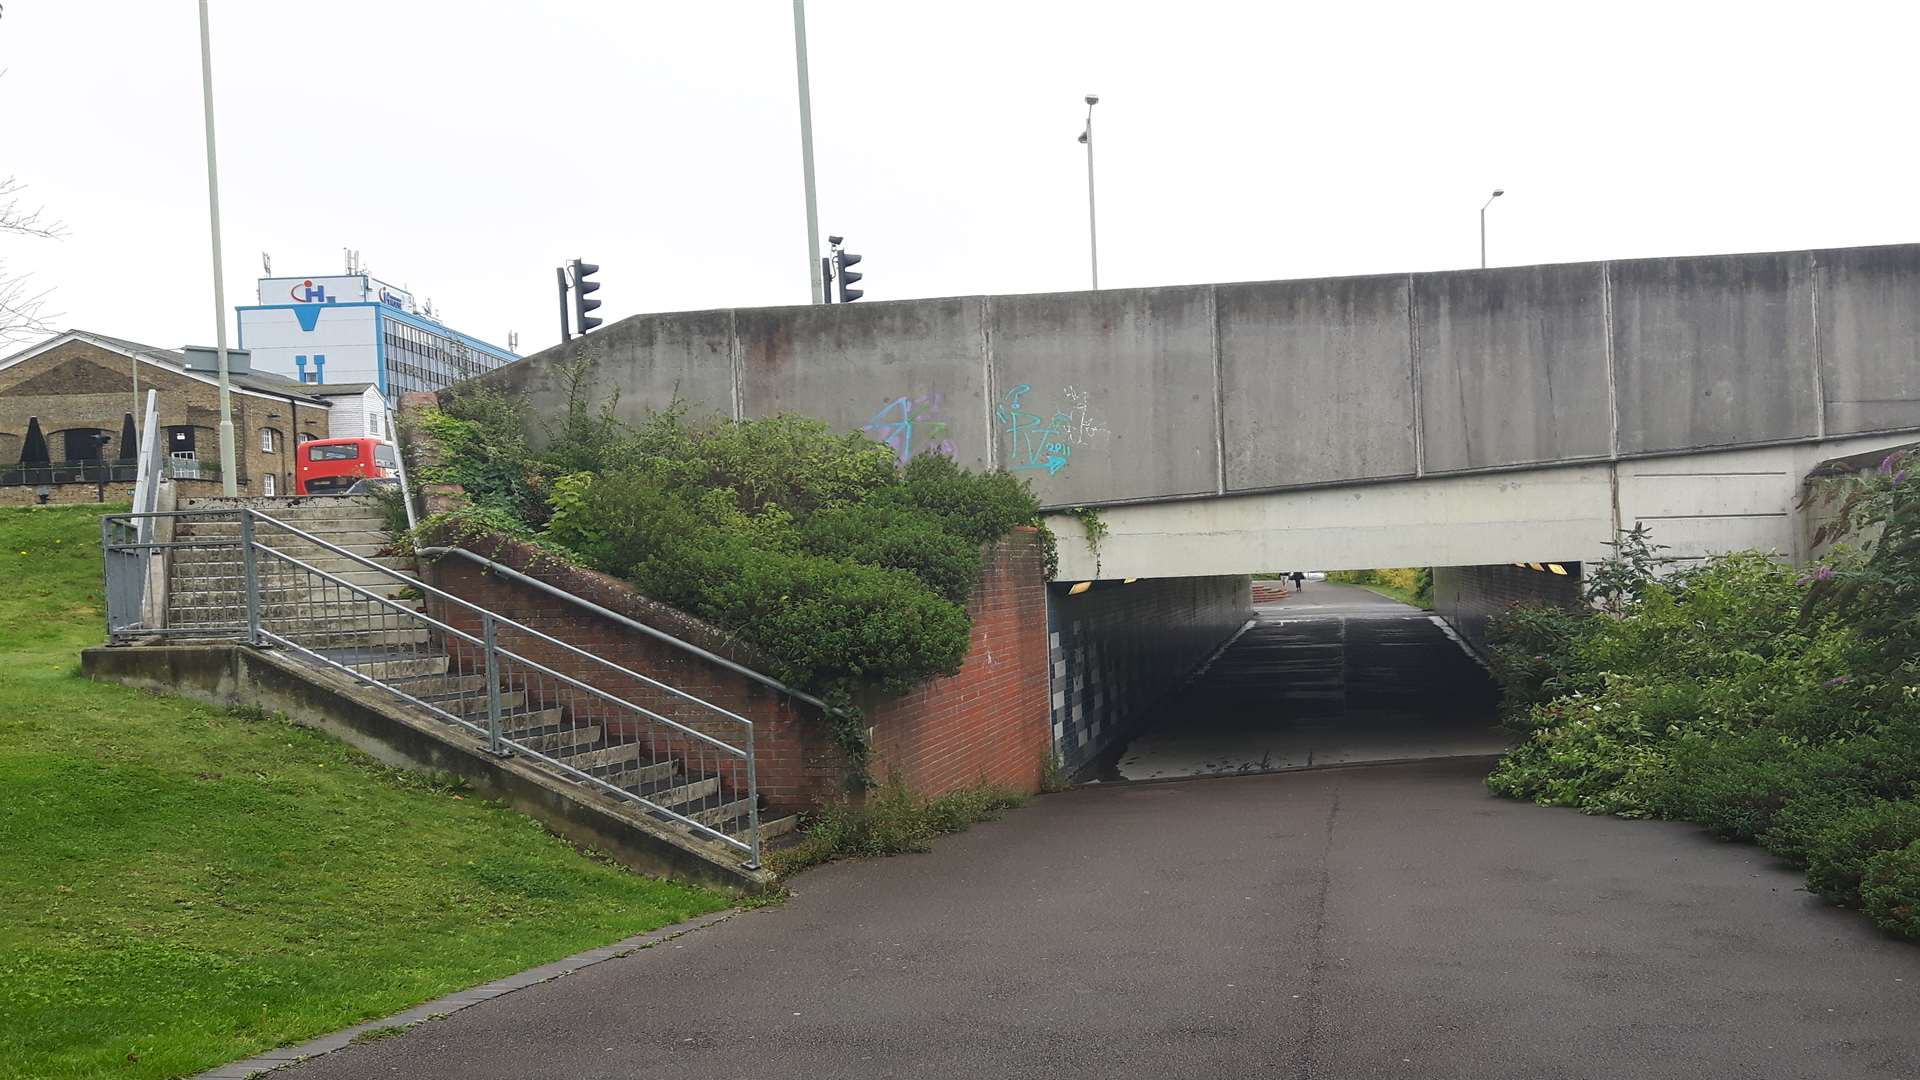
1382,921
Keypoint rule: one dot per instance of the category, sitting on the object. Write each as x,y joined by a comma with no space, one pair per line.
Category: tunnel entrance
1329,674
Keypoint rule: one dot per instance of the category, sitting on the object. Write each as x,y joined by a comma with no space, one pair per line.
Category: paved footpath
1387,921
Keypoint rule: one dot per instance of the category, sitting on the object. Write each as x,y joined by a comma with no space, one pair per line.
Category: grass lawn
1395,592
180,887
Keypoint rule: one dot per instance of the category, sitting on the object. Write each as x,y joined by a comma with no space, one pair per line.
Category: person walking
1298,579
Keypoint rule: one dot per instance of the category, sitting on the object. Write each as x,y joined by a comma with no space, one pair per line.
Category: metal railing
70,472
238,574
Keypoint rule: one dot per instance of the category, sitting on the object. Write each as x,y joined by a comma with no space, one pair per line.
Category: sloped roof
257,381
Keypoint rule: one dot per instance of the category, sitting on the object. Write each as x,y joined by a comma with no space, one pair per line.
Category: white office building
353,328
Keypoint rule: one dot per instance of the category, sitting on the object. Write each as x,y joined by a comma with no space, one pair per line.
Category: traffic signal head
843,266
582,303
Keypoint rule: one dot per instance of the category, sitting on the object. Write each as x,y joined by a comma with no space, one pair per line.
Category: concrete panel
1513,365
1870,337
1316,381
1562,514
1106,396
909,373
1713,351
649,361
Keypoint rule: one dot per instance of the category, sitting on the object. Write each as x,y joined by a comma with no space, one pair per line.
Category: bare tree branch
23,313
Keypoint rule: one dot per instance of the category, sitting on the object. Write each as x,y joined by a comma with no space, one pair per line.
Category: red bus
330,466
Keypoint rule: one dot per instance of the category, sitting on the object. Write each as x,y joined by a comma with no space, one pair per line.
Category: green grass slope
180,887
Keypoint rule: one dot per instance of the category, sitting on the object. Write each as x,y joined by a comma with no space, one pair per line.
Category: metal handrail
504,621
630,623
252,547
471,639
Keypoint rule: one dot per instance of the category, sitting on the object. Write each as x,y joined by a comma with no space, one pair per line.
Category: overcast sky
465,148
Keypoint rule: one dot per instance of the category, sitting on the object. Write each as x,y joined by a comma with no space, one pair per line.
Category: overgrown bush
850,573
1890,893
1765,703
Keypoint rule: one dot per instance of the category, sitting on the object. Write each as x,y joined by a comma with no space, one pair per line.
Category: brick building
80,386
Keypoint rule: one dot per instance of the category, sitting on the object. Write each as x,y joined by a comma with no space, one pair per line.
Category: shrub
1890,890
1837,859
1534,656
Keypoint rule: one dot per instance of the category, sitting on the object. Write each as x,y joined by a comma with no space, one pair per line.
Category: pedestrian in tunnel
1298,578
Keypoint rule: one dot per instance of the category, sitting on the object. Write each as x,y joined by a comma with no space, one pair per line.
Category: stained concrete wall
1697,503
1169,393
1120,650
1469,598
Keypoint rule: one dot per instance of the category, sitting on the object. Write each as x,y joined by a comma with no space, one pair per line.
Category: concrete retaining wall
368,721
1119,650
1156,394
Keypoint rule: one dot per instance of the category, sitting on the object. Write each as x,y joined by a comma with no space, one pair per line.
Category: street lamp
1497,192
1093,231
227,470
806,151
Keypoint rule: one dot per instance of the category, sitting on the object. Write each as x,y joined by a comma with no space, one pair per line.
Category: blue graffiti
903,420
1044,442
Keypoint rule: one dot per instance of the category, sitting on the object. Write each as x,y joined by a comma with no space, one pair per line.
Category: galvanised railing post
250,577
492,654
107,563
753,806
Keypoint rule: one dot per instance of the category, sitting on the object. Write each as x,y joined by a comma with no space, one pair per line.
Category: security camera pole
1093,231
227,483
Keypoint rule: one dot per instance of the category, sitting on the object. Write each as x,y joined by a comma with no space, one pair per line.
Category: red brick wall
988,723
797,762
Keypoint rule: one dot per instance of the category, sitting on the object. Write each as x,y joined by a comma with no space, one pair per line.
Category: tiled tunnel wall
1468,597
1119,649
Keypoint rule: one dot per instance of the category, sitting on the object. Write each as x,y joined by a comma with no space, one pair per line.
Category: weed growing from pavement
893,821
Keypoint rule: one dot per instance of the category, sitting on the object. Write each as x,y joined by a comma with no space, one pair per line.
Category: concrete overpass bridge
1465,420
1463,417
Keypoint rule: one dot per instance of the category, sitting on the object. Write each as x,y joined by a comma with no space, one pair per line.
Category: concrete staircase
398,650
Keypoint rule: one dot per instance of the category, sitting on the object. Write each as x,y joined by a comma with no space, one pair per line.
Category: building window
373,424
266,440
180,441
266,484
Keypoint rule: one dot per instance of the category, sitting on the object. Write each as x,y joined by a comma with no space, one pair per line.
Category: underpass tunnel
1172,677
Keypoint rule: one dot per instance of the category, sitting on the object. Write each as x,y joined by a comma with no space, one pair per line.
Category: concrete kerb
442,1007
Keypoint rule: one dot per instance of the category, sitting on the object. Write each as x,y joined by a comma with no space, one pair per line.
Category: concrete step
557,743
725,814
385,668
638,777
608,756
778,827
470,703
323,640
340,534
440,684
674,798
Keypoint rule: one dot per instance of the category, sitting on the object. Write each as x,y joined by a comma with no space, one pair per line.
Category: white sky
1235,141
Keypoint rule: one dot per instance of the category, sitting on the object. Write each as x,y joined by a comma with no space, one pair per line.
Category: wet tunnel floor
1333,675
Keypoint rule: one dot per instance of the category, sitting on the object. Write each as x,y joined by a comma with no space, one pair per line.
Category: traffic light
843,270
582,303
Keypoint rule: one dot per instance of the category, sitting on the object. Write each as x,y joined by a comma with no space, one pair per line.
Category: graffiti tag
911,425
1045,442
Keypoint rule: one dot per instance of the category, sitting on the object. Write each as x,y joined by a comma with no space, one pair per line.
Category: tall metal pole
806,150
1497,192
1093,227
228,485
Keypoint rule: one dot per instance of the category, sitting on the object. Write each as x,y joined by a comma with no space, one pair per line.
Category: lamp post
1497,192
806,150
1093,230
227,482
